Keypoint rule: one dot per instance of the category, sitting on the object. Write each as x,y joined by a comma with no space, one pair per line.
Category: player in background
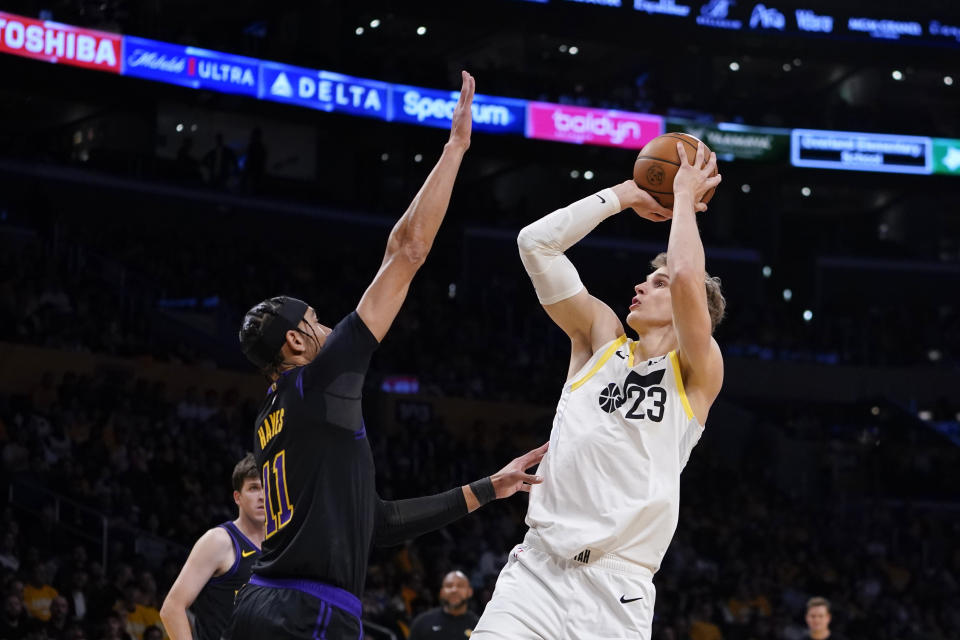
219,564
629,415
452,620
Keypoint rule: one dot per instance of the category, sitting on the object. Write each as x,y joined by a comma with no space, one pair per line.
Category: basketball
658,162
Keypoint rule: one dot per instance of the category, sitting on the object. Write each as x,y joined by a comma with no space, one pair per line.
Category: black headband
274,333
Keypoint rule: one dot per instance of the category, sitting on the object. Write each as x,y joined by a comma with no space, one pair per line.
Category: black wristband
483,490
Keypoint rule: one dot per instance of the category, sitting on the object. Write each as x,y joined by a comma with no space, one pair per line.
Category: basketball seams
643,166
642,157
680,137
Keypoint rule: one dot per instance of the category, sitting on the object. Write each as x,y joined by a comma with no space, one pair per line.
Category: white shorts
542,597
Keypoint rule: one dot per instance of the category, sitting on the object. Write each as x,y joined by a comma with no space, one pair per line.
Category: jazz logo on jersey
270,427
637,387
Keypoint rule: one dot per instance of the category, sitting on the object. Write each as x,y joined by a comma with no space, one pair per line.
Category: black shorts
268,608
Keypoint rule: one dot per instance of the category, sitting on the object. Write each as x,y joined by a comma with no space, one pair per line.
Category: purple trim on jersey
250,542
236,553
300,383
360,435
335,596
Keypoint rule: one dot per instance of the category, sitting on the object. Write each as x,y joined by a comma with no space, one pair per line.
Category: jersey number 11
278,507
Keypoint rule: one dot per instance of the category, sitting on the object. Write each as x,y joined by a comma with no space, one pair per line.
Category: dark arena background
166,165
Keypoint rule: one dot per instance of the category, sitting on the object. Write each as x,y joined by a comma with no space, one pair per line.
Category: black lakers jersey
214,603
317,467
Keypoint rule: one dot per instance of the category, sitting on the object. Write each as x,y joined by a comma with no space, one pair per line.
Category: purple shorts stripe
335,596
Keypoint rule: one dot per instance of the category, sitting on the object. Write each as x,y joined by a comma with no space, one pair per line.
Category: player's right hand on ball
462,124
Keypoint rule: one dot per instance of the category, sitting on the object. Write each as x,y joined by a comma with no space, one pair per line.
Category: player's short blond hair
716,303
818,602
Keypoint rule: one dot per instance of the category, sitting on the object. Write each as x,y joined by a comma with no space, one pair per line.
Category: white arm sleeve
543,242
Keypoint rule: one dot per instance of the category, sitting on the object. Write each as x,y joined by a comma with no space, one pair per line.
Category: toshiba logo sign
62,43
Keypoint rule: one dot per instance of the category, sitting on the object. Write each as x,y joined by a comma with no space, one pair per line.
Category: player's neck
654,341
456,611
820,635
251,529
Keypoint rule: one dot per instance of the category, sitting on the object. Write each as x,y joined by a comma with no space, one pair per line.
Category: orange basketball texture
658,162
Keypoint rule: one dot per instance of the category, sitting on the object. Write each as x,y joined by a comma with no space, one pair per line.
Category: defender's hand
513,477
462,124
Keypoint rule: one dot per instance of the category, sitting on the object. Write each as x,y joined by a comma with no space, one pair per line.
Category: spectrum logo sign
580,125
435,108
54,42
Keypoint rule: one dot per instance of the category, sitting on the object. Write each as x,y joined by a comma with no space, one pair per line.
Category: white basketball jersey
623,432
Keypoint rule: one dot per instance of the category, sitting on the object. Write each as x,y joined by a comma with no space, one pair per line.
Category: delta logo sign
580,125
60,43
324,90
190,66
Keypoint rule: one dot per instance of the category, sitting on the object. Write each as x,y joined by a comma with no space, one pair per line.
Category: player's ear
236,498
295,341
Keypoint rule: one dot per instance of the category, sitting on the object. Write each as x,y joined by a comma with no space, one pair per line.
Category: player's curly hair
251,330
716,303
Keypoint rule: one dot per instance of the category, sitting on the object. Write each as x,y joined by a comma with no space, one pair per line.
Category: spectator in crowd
57,625
702,625
77,594
14,621
153,632
452,620
138,613
255,162
114,629
38,594
818,619
220,163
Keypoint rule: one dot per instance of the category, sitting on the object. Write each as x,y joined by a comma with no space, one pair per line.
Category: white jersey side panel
622,434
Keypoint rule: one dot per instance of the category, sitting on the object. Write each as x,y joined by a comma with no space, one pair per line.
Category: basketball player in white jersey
629,414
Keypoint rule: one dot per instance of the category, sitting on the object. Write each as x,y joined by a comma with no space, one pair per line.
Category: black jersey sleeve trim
401,520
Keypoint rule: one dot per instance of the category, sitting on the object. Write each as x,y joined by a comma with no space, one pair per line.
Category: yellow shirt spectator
37,600
140,618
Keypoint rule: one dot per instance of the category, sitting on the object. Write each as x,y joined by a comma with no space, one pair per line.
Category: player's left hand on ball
697,176
514,476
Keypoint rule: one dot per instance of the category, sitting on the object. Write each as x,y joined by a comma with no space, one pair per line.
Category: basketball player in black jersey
219,564
323,511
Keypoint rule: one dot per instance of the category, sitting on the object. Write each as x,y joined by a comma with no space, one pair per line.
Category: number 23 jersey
622,434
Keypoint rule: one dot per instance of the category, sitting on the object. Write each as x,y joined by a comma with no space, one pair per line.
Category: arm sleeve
543,242
400,520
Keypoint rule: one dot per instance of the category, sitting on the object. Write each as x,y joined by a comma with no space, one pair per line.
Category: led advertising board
733,141
324,90
856,151
434,108
60,43
581,125
190,66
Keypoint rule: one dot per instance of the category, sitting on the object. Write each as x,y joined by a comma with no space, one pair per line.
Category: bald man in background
451,620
